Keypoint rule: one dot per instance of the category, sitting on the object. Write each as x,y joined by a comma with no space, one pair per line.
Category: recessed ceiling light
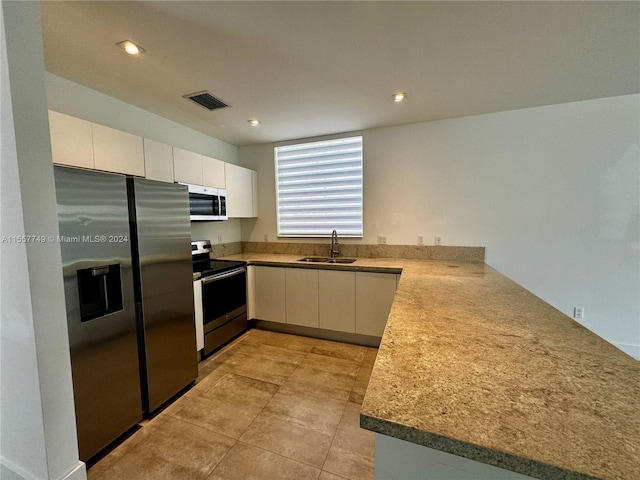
131,48
398,97
254,122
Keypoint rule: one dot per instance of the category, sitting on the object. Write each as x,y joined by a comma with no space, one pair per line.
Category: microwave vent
206,100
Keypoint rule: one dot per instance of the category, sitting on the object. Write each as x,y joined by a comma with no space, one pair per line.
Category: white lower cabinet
269,294
337,300
374,296
302,297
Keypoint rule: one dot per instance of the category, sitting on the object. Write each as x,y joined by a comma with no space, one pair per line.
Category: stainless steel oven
224,296
224,306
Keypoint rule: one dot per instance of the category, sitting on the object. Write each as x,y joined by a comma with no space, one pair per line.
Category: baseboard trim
631,350
345,337
78,473
9,471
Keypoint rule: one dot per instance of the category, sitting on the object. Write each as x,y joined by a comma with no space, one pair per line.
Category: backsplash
223,249
424,252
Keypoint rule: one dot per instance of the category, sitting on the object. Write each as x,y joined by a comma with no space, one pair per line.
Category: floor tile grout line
258,414
203,427
282,456
335,432
235,442
121,457
306,354
267,403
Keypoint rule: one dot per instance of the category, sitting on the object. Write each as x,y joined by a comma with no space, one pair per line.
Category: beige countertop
475,365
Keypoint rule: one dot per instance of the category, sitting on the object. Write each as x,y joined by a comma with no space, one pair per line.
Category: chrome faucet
335,248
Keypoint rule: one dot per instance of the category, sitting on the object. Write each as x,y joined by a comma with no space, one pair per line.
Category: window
319,188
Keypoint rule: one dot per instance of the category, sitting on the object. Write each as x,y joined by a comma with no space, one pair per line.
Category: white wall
38,436
79,101
553,193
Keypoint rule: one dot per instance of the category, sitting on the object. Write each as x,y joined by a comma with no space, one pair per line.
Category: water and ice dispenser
100,291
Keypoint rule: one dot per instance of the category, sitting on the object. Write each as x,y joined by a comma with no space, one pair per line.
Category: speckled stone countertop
475,365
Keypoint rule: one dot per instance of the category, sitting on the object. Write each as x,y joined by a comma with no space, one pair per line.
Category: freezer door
96,259
164,248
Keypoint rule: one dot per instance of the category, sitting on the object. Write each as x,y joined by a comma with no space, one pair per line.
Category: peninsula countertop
472,364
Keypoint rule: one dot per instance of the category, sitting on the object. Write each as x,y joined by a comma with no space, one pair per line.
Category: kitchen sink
327,260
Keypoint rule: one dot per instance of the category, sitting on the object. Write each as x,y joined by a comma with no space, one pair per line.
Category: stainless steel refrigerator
127,270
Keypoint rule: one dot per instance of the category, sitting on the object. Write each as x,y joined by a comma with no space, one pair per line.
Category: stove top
203,266
206,267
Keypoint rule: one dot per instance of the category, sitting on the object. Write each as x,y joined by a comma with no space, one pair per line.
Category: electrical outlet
382,239
438,240
578,312
420,239
219,238
266,237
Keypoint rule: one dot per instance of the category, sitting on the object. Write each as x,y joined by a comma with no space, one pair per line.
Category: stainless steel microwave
207,203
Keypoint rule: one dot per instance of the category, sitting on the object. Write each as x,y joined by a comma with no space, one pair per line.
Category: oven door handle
220,276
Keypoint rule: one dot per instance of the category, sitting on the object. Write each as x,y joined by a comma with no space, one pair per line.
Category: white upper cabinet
191,167
241,192
117,151
158,161
71,140
213,172
79,143
187,166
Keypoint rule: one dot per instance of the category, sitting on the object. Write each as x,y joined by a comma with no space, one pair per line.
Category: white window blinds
319,188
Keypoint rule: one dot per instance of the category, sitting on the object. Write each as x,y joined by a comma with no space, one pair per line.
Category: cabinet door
337,300
239,191
374,296
302,297
117,151
270,294
187,166
71,140
158,161
213,172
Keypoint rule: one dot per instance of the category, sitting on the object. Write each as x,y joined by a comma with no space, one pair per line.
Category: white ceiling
313,68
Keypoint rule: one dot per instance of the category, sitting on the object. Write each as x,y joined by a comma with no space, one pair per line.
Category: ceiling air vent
206,100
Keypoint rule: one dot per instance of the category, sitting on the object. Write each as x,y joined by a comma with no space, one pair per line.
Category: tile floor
269,406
